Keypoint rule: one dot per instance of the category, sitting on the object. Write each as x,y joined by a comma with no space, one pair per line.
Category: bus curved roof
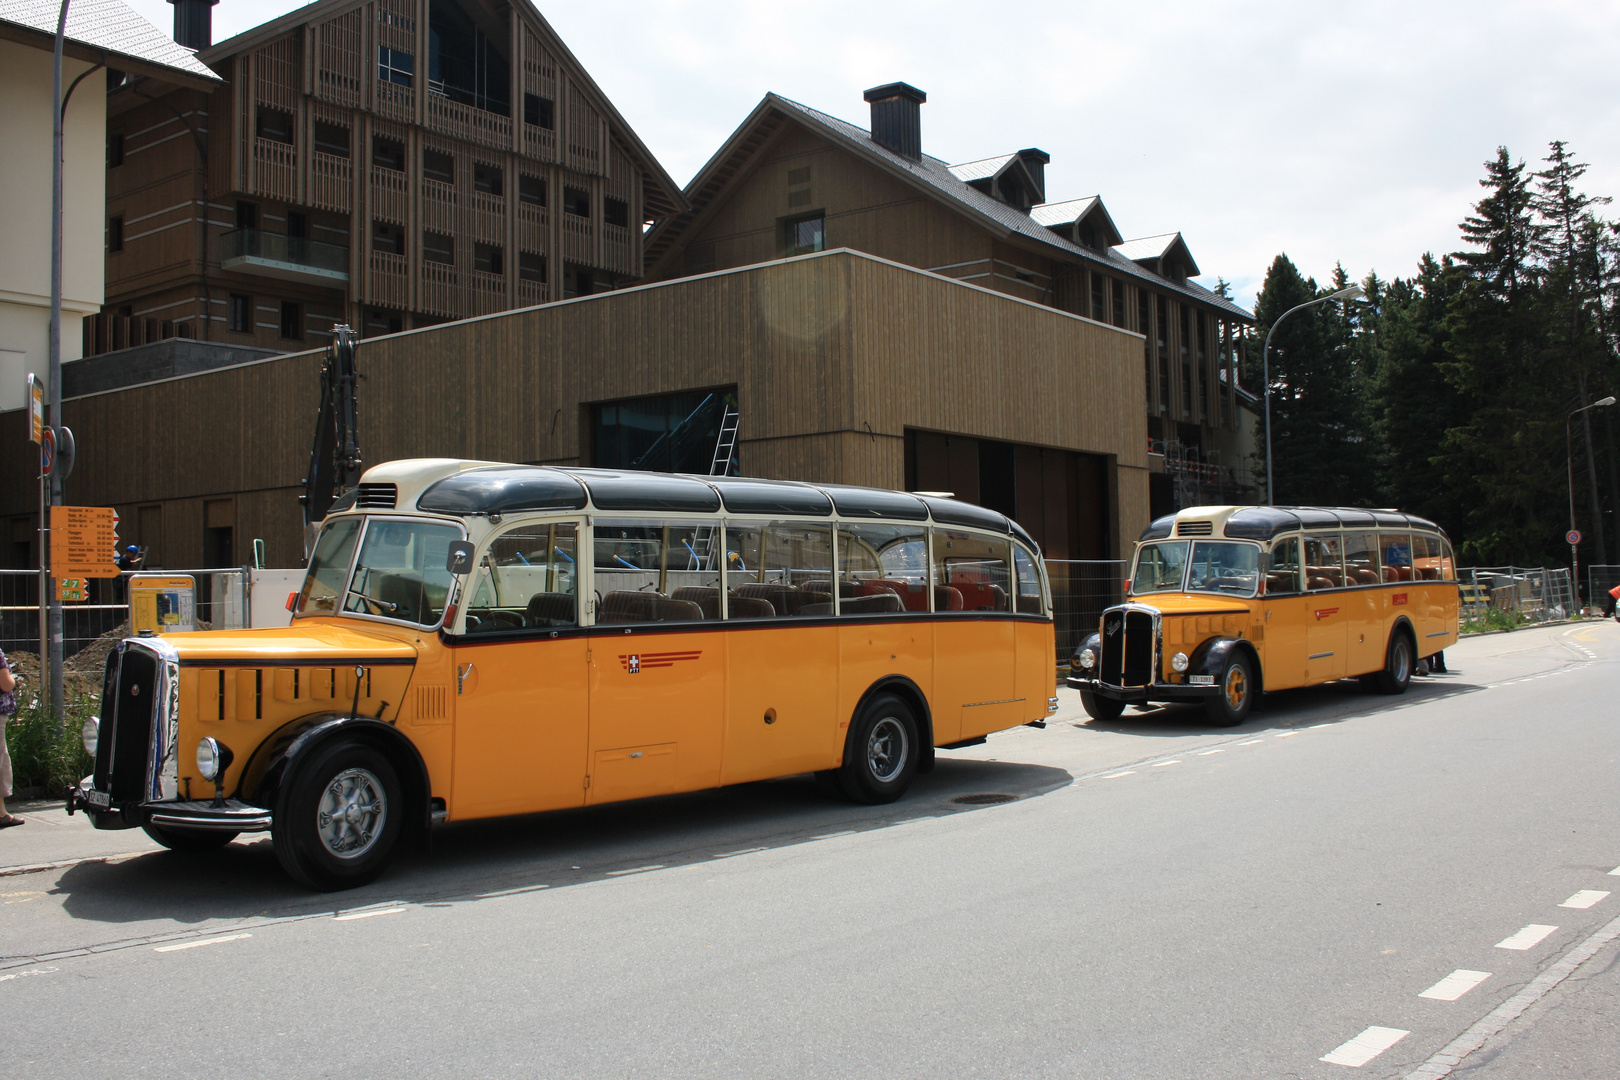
1265,522
474,488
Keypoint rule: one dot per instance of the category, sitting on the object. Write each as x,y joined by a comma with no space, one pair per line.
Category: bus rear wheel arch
882,751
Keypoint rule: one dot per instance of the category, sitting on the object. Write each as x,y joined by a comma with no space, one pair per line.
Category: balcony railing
277,255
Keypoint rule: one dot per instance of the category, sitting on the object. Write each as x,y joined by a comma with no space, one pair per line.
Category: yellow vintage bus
475,639
1227,602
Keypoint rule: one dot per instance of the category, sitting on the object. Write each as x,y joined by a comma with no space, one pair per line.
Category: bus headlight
213,758
1179,661
90,734
1087,658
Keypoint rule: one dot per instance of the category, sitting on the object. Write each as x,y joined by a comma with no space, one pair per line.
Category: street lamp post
1354,292
1569,448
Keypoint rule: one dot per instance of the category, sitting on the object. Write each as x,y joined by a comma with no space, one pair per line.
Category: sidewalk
53,838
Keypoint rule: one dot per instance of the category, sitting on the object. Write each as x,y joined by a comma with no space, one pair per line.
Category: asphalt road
1156,899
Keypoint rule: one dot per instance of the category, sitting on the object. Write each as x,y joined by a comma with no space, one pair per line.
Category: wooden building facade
843,367
387,163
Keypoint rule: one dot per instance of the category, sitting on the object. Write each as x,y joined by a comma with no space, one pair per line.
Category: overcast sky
1340,132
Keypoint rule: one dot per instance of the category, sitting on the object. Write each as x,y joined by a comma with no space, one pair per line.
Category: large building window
490,179
531,189
1118,288
115,233
387,237
395,67
464,64
804,234
538,111
438,166
577,201
275,125
239,316
1186,364
1099,297
331,139
292,320
1162,338
438,248
489,259
531,266
671,433
388,153
616,212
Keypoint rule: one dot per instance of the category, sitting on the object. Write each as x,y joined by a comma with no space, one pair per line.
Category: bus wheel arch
1234,668
883,749
912,695
1400,660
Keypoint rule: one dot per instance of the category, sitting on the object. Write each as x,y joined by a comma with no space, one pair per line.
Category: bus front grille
1127,648
130,695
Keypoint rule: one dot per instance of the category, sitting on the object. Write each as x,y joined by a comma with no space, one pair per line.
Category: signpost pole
55,417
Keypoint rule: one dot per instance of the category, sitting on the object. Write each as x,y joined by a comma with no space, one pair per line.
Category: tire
1398,665
1101,708
881,755
338,818
1233,704
191,841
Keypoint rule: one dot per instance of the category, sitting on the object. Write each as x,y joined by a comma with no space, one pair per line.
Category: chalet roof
1073,212
107,32
982,169
663,194
929,174
1154,249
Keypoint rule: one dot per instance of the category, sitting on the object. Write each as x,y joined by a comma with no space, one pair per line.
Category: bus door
1327,615
975,638
657,659
520,684
1283,618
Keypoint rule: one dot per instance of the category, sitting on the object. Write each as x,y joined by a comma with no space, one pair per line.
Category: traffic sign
1572,537
47,451
82,542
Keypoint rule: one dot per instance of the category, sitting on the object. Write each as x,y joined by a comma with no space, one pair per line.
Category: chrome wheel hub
351,814
886,749
1237,687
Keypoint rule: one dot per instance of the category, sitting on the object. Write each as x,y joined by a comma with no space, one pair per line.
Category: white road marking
1251,742
25,974
1284,735
1217,750
1116,776
368,914
1162,764
1615,872
1455,985
734,854
199,944
831,835
512,892
1528,938
1584,899
634,870
1364,1047
1313,727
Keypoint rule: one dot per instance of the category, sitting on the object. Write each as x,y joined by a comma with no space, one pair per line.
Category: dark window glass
527,580
1186,364
437,166
489,259
1162,338
395,67
657,571
1282,574
1099,298
332,139
247,215
437,247
387,237
531,189
388,153
578,281
489,179
616,212
240,314
537,110
778,569
292,320
115,151
882,569
672,433
1118,287
802,235
464,65
298,226
971,571
531,267
115,233
275,125
577,201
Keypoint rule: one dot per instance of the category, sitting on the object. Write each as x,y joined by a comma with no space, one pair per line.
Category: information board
83,540
162,603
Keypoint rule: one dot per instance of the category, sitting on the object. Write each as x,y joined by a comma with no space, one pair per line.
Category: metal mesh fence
1537,593
1081,589
1599,580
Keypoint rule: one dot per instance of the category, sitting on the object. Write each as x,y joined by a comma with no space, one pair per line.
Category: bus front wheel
338,819
1231,706
1101,708
881,755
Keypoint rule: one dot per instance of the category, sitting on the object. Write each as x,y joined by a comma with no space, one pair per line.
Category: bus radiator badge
633,665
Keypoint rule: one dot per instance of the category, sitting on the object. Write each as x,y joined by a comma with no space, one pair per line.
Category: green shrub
44,753
1494,618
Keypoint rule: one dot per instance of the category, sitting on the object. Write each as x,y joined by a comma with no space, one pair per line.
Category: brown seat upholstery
747,607
1317,583
1029,603
550,609
876,604
1281,581
706,598
624,606
947,598
784,598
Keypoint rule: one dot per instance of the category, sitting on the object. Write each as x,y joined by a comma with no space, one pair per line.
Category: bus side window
1448,562
1397,553
882,569
656,571
778,569
1029,582
1426,557
526,580
1360,558
971,571
1324,568
1283,577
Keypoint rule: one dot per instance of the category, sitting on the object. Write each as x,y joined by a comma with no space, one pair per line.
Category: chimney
1035,161
897,118
194,23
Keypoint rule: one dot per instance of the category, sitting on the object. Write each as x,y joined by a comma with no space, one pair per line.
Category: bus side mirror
460,558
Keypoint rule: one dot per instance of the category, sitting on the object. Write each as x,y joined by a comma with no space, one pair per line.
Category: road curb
64,864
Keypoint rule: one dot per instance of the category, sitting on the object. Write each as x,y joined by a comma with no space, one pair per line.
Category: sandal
9,820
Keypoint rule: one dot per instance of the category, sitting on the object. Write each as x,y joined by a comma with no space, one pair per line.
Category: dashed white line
1364,1047
199,944
26,974
734,854
368,914
1455,985
1584,899
1162,764
1251,742
1217,750
1615,872
512,892
1116,776
1528,938
634,870
1284,735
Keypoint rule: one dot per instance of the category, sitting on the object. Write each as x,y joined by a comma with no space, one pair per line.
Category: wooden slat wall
834,356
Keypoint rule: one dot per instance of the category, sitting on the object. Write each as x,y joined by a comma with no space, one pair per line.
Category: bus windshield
1159,567
1224,567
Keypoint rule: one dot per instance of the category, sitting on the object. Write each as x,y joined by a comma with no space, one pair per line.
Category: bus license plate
99,799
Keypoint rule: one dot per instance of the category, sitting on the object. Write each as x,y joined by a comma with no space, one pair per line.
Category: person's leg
5,770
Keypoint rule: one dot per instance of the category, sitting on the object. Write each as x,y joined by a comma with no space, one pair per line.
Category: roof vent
1194,528
1035,161
194,23
377,497
897,118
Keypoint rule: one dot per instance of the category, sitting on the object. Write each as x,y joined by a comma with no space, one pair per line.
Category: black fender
1092,642
1402,623
1210,659
912,693
278,757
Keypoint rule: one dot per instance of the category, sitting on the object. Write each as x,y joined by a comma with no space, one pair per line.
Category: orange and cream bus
1227,602
475,639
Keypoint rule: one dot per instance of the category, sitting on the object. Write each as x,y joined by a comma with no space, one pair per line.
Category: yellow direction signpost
83,539
72,588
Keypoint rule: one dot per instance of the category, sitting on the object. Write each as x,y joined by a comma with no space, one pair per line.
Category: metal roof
981,170
1061,213
111,31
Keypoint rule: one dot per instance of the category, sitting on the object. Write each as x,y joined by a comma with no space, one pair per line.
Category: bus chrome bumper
1136,695
232,815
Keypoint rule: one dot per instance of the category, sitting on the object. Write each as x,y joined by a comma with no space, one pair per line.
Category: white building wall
25,212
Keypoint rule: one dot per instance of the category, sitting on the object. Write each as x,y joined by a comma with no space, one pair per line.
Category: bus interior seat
626,606
947,598
404,591
747,607
1281,581
703,596
550,609
784,598
876,603
1029,603
1317,582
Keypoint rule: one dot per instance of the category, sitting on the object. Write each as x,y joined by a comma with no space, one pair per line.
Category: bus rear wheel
1231,706
1398,664
338,819
881,754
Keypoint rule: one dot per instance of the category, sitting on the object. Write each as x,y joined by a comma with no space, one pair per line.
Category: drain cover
982,800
